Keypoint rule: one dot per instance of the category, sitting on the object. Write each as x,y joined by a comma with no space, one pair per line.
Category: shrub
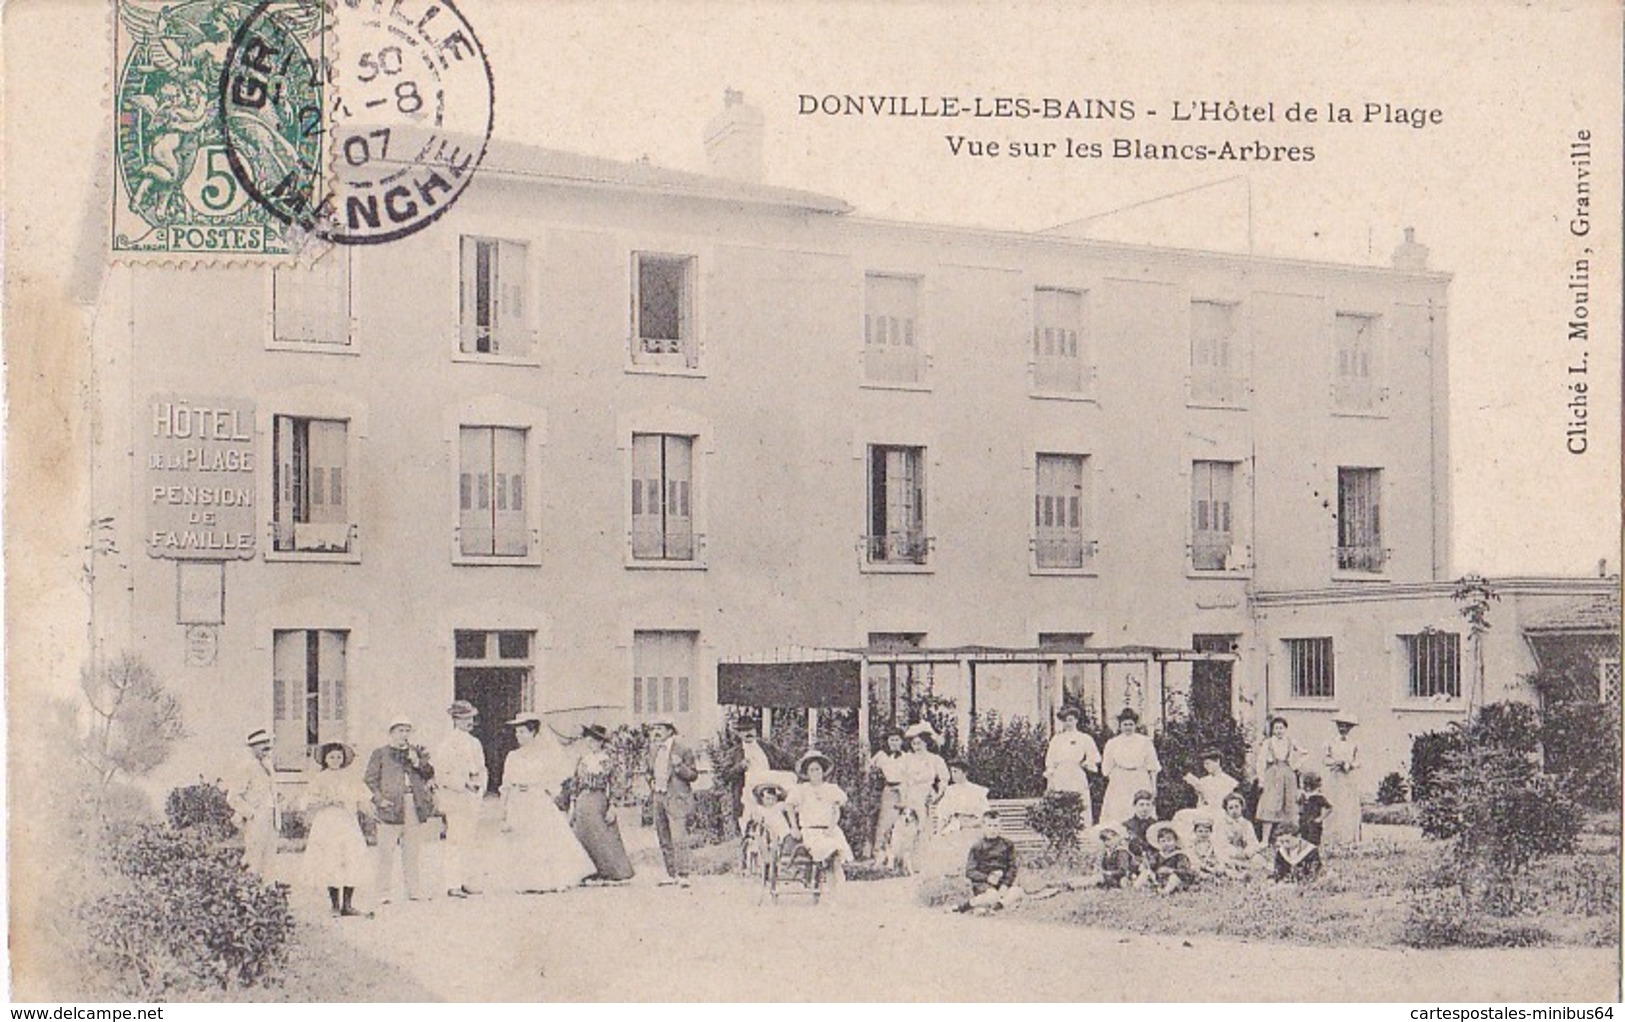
1581,740
201,806
1008,756
1444,918
187,915
1392,789
1059,817
1428,751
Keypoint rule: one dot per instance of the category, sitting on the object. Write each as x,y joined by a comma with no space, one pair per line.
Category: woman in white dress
1070,758
542,851
336,851
1342,782
816,804
1130,764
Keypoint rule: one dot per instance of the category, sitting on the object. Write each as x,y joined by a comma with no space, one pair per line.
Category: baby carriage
791,869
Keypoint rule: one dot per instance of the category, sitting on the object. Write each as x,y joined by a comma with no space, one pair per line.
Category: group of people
558,827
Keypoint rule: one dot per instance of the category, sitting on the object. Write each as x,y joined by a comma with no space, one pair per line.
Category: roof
1006,654
578,169
1597,613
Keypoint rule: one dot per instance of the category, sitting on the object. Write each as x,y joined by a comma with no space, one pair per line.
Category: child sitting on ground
1118,865
1296,860
1170,868
1204,854
1312,809
991,870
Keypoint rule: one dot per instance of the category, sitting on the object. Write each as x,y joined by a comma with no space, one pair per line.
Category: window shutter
328,487
679,474
331,675
288,699
471,292
284,484
474,520
511,334
647,501
511,533
294,309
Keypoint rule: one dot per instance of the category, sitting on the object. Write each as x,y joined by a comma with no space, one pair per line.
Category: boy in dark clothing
1118,866
1136,827
1313,810
1169,868
991,870
1296,860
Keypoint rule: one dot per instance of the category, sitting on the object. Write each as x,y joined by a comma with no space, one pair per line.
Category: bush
1582,745
187,916
1391,791
1059,817
201,806
1444,918
1008,756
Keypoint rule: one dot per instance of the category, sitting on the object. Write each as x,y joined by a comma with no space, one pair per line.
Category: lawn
1363,900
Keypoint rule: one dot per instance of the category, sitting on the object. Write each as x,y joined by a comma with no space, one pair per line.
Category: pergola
831,678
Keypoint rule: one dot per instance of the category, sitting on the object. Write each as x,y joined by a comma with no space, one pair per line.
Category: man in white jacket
460,774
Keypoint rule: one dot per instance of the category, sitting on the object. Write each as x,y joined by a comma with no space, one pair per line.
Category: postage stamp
177,189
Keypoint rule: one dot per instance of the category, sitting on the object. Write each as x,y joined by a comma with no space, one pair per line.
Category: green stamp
179,189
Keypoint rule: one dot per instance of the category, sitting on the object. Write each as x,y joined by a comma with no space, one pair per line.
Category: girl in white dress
336,850
817,804
1070,758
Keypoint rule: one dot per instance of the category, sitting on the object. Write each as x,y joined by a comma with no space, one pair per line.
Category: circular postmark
408,115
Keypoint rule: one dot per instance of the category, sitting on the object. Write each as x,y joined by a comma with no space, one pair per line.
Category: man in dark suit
749,761
672,769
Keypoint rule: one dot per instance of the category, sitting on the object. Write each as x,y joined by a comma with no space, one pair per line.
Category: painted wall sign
199,489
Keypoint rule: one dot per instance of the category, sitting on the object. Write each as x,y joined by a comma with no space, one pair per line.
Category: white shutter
474,490
679,478
329,487
296,310
508,522
330,673
288,699
285,484
511,333
647,496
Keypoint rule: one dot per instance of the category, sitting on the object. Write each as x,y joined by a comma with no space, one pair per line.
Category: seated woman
1234,837
815,805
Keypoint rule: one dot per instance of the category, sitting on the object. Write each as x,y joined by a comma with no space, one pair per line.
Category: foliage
1428,751
187,915
1499,811
1180,744
134,722
1059,817
201,807
1444,917
628,755
1391,790
1008,756
1512,726
1581,740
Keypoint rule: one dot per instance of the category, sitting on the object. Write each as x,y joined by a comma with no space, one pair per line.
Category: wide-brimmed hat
326,749
1348,717
1156,830
766,786
462,708
525,719
1069,711
595,731
810,756
258,736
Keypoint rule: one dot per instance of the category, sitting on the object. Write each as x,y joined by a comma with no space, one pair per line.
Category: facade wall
782,417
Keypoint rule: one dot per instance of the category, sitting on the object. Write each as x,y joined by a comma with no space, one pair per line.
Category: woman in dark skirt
591,816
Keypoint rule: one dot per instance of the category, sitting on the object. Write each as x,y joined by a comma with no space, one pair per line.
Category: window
1354,387
1433,661
1608,682
1311,669
1058,508
663,665
307,693
491,519
1057,323
896,505
1212,526
1216,375
310,490
663,310
494,299
1359,520
662,497
311,304
891,350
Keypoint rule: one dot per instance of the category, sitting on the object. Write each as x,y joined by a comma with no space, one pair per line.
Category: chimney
733,140
1410,255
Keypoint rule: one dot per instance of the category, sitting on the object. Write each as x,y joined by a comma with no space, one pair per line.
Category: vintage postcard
713,501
